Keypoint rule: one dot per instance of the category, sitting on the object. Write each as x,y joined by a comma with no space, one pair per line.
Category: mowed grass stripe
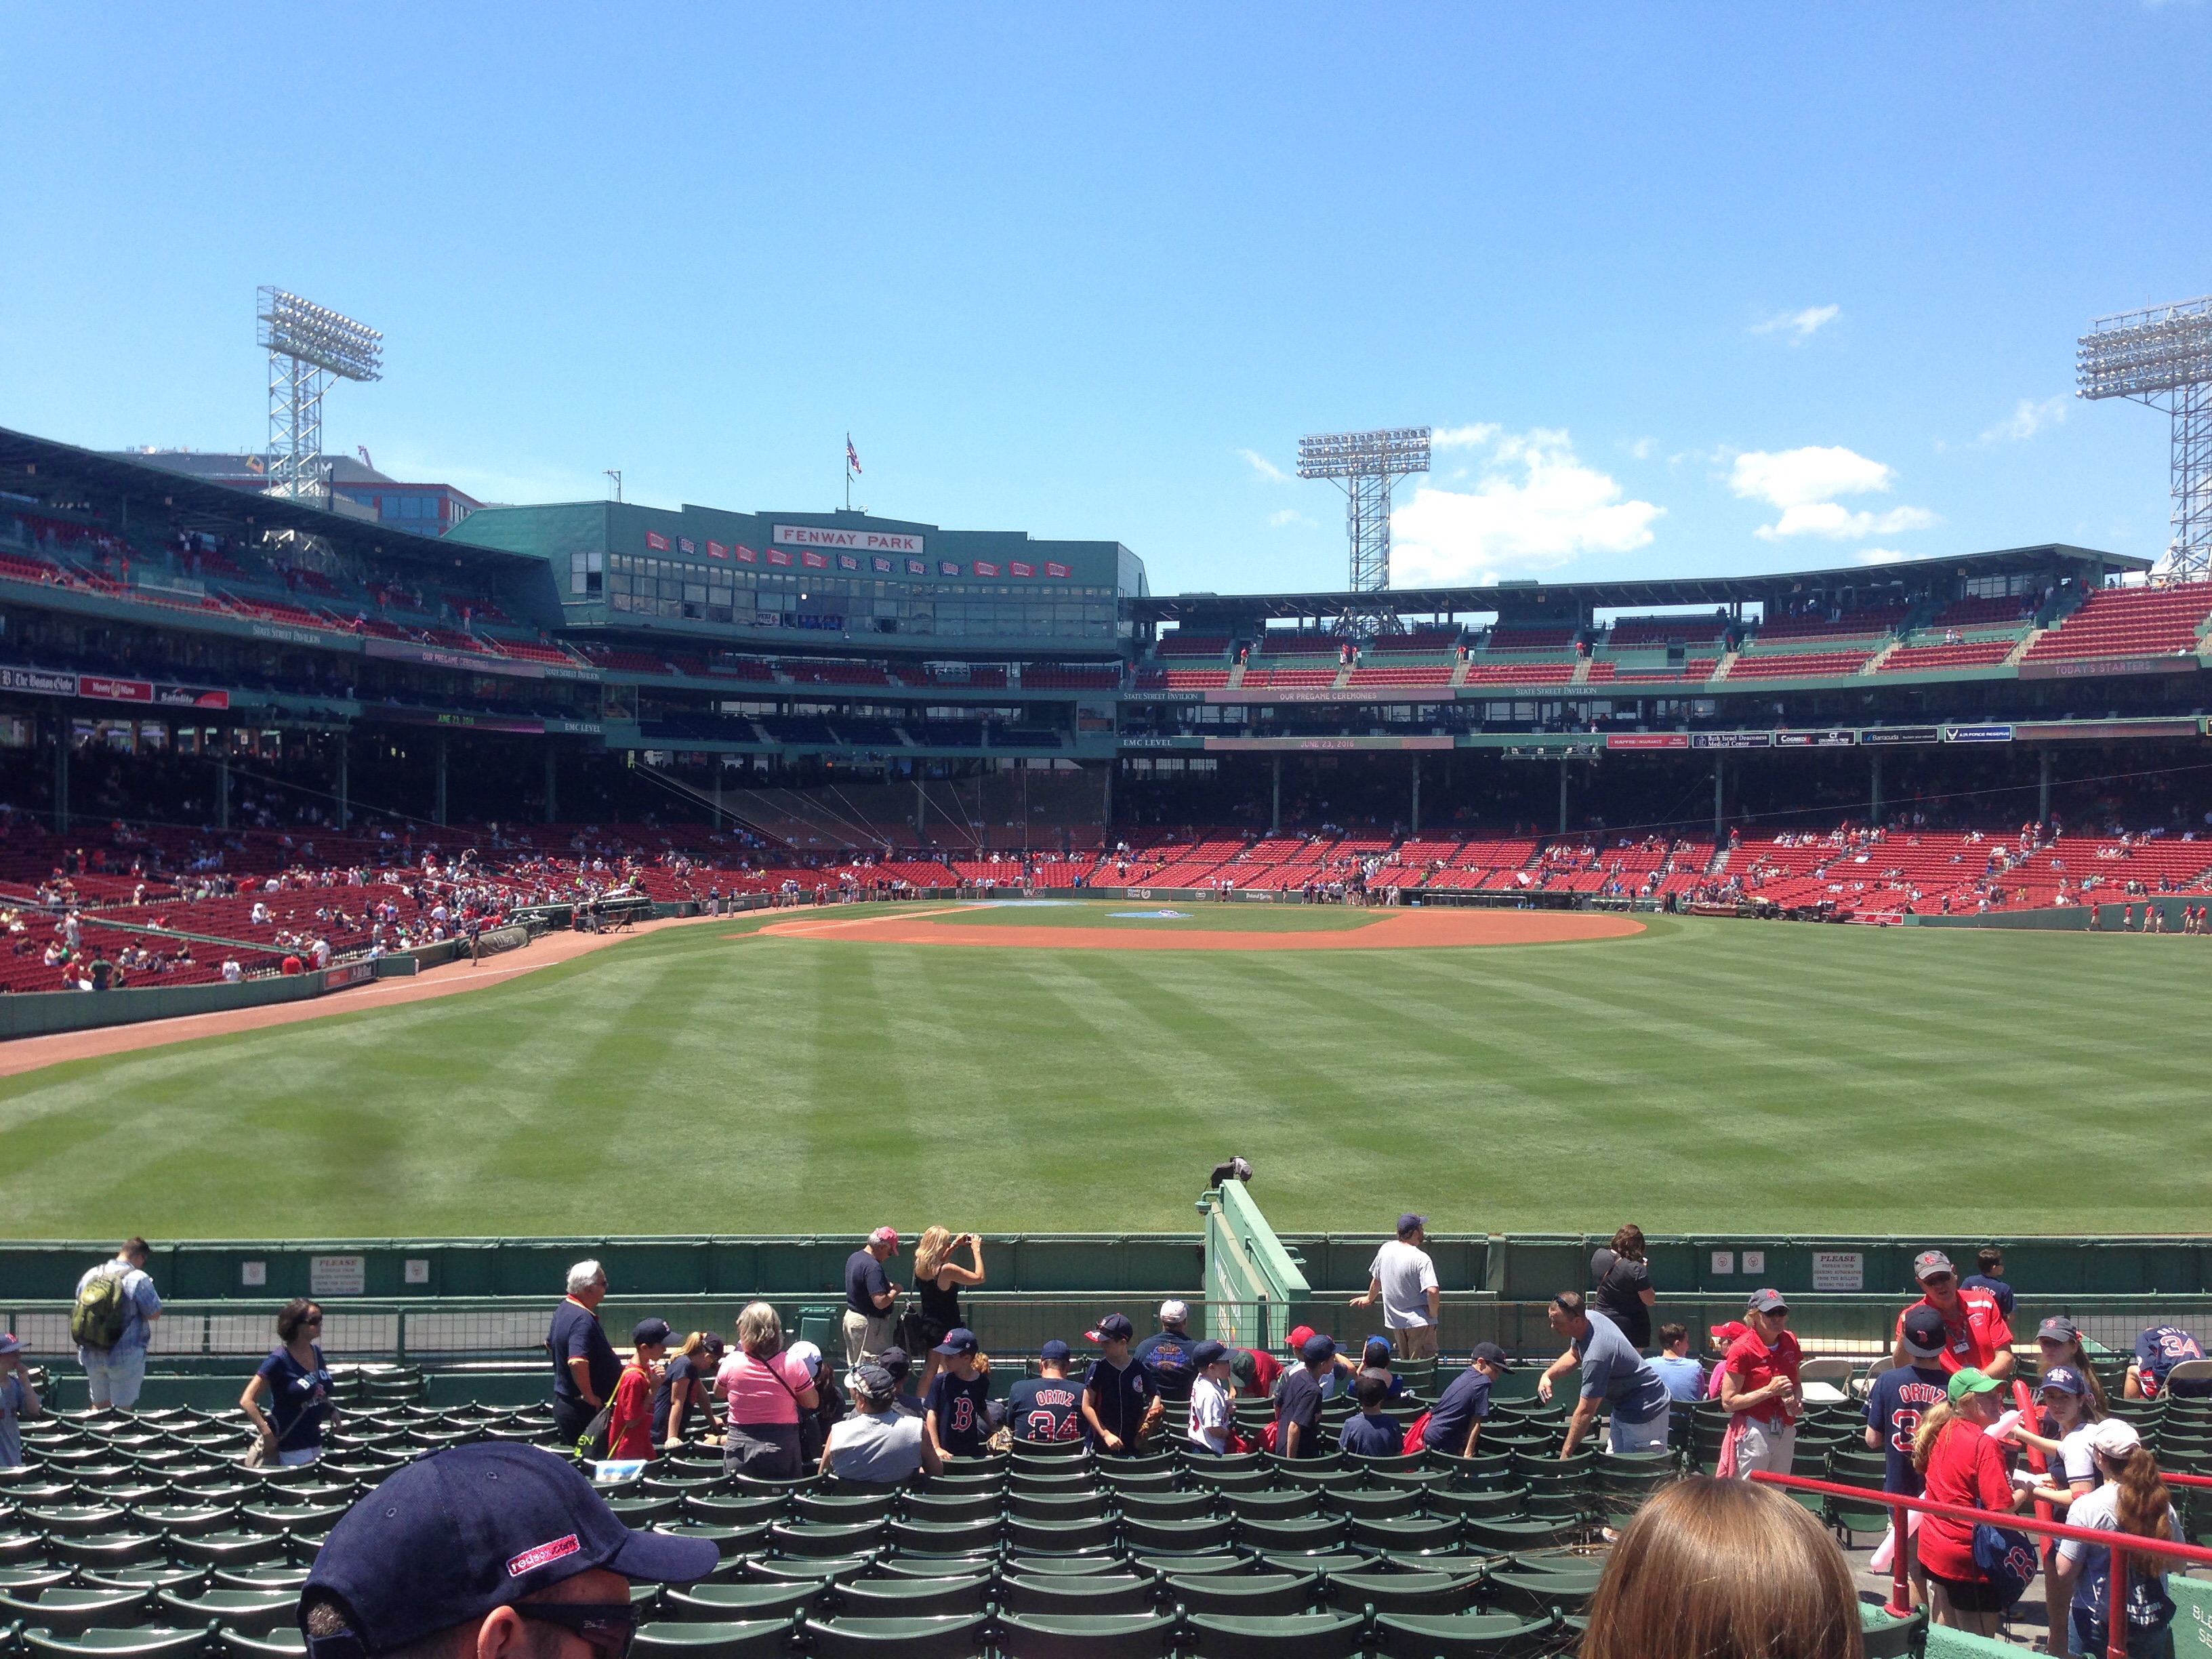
1703,1076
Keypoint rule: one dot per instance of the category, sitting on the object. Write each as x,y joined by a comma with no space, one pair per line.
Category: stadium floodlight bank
308,345
2161,356
1366,465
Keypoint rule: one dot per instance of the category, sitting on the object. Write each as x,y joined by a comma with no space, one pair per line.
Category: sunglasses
1941,1280
313,1318
609,1627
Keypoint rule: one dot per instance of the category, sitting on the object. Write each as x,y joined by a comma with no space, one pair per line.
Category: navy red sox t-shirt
1045,1408
963,1419
1894,1406
1119,1396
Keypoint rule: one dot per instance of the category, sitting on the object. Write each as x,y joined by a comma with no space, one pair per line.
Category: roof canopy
1567,600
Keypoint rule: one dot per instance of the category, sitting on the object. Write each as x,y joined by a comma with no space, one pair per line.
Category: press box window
586,574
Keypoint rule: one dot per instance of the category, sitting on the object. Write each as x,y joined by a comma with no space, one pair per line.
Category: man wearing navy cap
486,1551
1456,1420
1404,1280
1046,1406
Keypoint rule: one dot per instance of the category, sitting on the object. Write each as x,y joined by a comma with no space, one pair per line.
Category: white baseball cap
2115,1437
1173,1312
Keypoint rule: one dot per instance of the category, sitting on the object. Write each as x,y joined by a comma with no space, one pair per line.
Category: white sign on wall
849,541
253,1274
1754,1261
1838,1270
418,1270
337,1275
1724,1261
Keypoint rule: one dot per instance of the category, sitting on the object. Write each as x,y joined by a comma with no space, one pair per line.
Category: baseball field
1081,1066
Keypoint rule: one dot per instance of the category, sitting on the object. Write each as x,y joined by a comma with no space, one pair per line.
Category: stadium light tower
1365,464
2162,356
308,346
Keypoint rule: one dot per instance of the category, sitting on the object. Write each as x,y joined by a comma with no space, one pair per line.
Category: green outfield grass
1705,1075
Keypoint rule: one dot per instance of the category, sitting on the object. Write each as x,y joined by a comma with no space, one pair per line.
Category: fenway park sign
849,541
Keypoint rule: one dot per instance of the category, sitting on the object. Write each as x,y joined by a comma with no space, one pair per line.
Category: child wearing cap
19,1402
2058,1342
2070,1417
1117,1396
630,1419
2134,1498
956,1409
1046,1406
1896,1402
1211,1421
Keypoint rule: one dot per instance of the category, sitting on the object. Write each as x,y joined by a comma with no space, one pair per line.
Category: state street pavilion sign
847,541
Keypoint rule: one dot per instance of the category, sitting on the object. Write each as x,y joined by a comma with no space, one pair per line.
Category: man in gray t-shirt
878,1443
1614,1377
1403,1278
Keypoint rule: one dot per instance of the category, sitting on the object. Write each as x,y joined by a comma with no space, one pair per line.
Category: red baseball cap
885,1235
1297,1337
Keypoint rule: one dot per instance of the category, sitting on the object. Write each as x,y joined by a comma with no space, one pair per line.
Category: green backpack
101,1312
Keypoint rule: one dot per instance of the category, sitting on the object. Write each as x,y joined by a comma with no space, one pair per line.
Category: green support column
1874,812
1275,811
345,803
222,778
63,726
1720,811
438,814
1563,798
2043,789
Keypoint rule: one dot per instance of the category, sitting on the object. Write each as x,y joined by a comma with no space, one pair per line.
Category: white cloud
1462,437
1797,478
1641,448
1535,506
1881,556
1799,326
2027,418
1804,483
1266,468
1289,515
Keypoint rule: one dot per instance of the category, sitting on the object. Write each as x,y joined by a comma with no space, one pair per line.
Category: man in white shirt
1405,1279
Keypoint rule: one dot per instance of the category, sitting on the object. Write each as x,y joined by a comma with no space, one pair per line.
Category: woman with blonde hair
937,1282
684,1379
766,1387
2133,1499
1960,1463
1712,1569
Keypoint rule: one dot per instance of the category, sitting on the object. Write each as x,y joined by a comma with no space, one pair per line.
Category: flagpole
849,472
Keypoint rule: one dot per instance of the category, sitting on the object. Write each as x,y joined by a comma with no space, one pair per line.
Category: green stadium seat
1447,1636
76,1520
1210,1532
816,1570
1404,1592
185,1520
728,1542
22,1580
1307,1636
1061,1595
278,1643
1535,1594
65,1611
933,1566
719,1639
721,1603
1205,1561
1244,1594
933,1506
1057,1537
1407,1534
147,1642
265,1578
817,1539
735,1509
114,1550
910,1598
950,1637
243,1611
1170,1505
1064,1635
1310,1532
230,1549
1889,1635
945,1537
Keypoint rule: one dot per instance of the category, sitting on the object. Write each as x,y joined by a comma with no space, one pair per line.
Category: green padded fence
1256,1289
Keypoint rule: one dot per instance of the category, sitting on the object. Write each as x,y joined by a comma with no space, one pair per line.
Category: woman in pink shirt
764,1389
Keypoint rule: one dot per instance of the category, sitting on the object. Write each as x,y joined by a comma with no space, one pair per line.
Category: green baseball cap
1967,1380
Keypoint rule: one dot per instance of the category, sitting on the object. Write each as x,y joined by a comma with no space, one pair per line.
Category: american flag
851,455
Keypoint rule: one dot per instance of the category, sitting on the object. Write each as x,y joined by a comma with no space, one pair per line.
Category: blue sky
1690,290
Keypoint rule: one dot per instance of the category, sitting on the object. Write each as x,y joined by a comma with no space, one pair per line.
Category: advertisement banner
716,551
746,555
1890,736
1731,740
1837,738
777,555
917,566
1319,745
1647,740
2093,667
683,546
856,541
880,565
1021,569
351,973
43,682
190,696
98,686
814,561
1058,572
656,541
984,567
439,657
1978,734
849,561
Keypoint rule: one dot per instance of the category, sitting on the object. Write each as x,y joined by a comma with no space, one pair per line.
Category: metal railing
2123,1545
